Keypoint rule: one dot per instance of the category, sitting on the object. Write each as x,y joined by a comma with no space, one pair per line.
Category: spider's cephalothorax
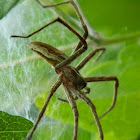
53,56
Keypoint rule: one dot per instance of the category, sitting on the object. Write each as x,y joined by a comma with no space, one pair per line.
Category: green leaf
6,6
13,127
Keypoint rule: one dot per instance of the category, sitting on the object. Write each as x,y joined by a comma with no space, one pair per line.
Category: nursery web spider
72,80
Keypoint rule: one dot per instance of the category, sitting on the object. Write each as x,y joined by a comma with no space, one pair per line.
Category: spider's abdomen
73,78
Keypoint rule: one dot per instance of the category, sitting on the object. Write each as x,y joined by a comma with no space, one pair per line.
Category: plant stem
127,37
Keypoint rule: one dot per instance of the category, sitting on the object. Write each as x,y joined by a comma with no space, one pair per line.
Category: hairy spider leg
104,78
83,62
97,79
89,56
85,35
93,109
99,56
75,54
74,108
53,89
52,22
66,101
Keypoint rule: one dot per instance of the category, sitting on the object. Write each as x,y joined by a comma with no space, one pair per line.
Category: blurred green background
24,86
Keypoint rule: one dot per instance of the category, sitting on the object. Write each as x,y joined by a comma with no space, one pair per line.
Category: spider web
23,75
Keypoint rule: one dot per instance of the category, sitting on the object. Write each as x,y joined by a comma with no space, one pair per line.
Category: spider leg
99,56
52,22
66,101
53,89
75,110
93,109
87,90
89,56
85,35
110,78
62,100
53,5
73,56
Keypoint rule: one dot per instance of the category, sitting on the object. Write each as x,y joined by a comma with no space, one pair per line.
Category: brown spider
71,79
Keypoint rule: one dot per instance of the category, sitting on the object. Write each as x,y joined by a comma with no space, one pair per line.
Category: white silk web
23,75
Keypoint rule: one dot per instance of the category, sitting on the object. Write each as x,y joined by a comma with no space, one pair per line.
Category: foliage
110,19
13,127
6,6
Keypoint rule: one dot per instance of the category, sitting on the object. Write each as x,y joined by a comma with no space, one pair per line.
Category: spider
69,76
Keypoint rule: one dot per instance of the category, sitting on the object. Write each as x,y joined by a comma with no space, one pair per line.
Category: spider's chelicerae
73,82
